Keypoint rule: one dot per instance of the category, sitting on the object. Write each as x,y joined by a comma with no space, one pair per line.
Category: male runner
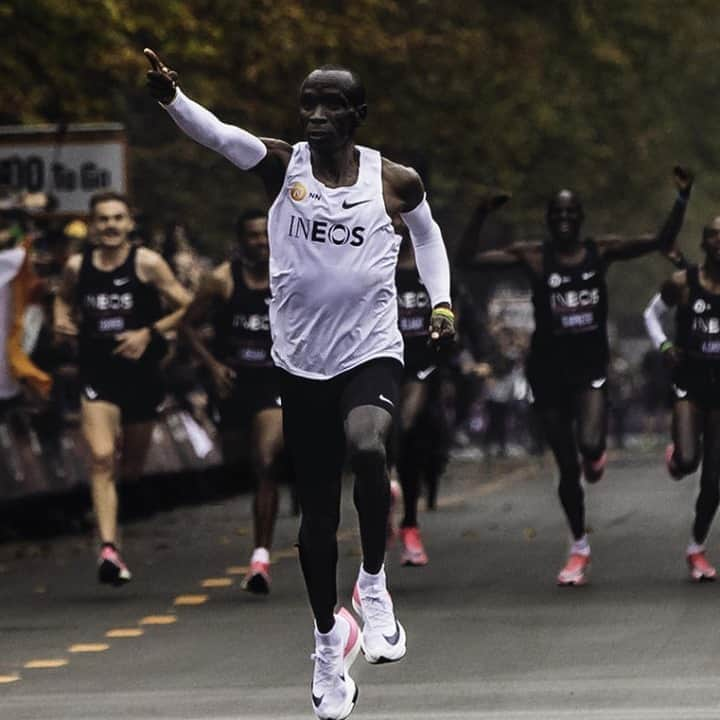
416,451
695,358
244,377
335,335
568,360
109,299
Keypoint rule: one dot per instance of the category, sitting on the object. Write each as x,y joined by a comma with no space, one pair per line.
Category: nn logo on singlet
325,231
298,192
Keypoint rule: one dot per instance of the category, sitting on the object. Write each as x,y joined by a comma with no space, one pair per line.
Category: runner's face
564,219
111,223
328,117
254,242
711,240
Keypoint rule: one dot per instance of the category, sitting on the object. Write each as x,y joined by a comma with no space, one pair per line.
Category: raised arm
467,254
615,247
268,158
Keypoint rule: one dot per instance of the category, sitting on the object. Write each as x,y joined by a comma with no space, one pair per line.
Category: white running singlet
333,254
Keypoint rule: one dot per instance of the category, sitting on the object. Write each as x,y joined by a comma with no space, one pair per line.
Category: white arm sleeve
654,313
430,253
240,147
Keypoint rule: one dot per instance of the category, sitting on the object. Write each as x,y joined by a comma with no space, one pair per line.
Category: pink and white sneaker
593,470
257,580
383,637
700,569
575,570
413,551
333,692
111,568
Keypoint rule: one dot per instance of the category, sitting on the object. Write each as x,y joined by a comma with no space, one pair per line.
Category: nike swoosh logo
346,205
423,374
121,281
317,700
588,275
387,400
393,639
597,384
679,392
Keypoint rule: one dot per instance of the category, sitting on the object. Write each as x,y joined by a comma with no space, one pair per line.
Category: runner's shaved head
345,79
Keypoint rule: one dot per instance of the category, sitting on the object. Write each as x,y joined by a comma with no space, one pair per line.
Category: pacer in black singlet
109,299
242,342
244,379
567,363
420,451
569,348
695,358
111,302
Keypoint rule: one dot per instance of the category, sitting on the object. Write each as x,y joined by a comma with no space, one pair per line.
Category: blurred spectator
182,257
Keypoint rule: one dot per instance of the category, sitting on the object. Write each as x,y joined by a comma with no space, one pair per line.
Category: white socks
694,548
260,554
581,547
368,582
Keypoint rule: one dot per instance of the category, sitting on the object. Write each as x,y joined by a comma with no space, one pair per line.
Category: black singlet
697,323
414,308
112,302
571,308
242,326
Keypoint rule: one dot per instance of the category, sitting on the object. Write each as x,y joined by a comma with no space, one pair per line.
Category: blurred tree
600,95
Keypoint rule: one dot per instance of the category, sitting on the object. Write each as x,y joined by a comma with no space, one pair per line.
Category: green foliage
600,95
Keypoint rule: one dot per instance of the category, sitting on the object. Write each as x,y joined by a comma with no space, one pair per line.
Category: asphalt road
489,634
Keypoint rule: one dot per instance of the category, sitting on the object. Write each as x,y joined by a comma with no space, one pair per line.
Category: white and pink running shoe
111,568
333,691
575,570
700,569
383,637
257,580
413,551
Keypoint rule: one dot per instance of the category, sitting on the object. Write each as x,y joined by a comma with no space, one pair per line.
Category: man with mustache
109,300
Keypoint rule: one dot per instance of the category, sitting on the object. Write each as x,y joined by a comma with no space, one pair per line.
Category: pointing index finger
153,59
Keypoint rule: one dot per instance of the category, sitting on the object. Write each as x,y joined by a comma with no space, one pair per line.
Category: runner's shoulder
278,148
74,263
675,289
403,183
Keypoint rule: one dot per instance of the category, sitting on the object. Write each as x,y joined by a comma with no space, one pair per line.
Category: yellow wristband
444,312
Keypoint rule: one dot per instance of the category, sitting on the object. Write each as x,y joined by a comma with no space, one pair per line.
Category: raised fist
161,80
683,180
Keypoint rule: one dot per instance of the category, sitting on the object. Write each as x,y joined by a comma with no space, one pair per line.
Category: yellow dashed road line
88,647
237,570
124,633
45,664
190,600
217,582
159,620
5,679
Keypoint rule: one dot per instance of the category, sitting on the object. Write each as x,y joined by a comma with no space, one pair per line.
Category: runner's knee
366,453
102,458
686,460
